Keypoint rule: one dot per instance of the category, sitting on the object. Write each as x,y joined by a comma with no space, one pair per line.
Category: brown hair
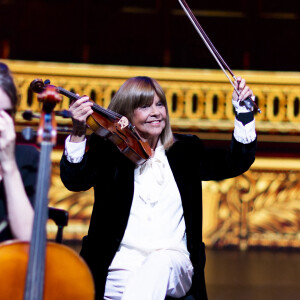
139,91
8,86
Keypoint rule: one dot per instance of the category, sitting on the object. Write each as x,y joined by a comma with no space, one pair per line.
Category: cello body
66,274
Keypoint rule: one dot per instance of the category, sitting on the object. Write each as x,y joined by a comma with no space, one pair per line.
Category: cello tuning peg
64,129
63,113
28,115
28,133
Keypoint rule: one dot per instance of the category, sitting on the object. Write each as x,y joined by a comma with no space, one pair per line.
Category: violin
108,124
42,270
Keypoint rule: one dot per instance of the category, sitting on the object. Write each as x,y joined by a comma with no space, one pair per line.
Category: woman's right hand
80,109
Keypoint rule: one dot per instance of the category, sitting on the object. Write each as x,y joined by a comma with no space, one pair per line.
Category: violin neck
34,287
96,108
67,93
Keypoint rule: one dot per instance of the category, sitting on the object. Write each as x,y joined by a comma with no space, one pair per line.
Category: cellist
18,168
145,234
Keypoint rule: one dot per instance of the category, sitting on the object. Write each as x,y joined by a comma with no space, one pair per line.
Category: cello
42,270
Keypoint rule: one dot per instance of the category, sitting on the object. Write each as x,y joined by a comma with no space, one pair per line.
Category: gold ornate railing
196,98
259,208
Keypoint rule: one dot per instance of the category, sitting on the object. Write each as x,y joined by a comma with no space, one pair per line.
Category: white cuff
74,151
244,134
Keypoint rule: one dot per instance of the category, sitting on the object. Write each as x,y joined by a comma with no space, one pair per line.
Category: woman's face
150,121
5,103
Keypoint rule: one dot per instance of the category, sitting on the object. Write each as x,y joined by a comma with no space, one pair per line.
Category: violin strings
108,112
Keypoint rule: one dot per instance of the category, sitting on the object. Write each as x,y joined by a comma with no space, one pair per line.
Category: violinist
145,234
18,168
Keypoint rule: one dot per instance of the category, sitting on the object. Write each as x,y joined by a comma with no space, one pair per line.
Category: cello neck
46,138
34,286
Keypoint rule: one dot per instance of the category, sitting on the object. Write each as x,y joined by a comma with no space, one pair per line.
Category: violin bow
249,103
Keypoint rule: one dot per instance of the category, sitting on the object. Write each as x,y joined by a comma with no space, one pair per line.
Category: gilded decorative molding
196,98
258,208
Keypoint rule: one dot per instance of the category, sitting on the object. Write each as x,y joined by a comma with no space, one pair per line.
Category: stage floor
253,274
249,275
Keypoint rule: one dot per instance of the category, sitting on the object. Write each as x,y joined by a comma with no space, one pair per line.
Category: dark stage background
249,34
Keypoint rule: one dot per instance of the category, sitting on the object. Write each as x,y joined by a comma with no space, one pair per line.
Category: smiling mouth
154,121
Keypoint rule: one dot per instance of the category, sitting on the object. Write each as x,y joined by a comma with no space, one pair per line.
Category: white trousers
135,276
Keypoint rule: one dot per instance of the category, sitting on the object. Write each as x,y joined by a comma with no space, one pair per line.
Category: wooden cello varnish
66,274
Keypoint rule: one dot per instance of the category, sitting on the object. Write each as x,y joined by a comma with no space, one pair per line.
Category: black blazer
112,176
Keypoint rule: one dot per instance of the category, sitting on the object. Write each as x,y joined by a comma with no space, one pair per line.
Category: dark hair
139,91
8,86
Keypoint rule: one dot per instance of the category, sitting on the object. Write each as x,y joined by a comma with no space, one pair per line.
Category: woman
18,168
145,234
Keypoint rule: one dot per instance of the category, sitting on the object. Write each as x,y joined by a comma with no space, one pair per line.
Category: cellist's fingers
7,137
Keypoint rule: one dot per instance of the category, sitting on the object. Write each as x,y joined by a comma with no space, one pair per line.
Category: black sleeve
218,164
245,118
93,168
199,161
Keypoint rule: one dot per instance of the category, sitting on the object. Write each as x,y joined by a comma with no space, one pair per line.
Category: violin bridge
123,122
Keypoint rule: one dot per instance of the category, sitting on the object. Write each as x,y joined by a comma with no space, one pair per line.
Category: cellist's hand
7,142
80,110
